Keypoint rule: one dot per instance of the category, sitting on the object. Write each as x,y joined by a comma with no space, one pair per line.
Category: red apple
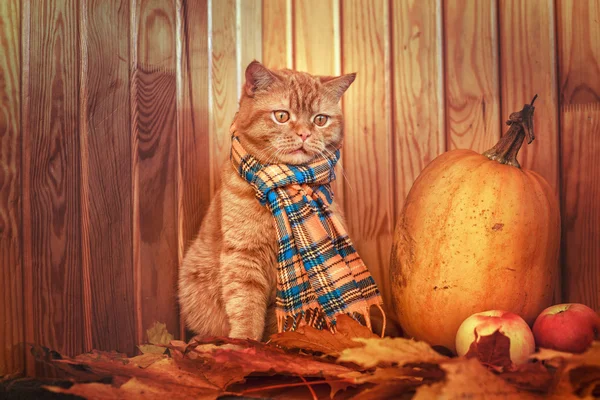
486,323
567,327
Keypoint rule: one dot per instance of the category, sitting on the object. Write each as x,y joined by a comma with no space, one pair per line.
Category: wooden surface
224,85
249,36
192,120
11,273
52,242
277,33
115,126
106,190
368,156
528,67
418,88
154,164
471,74
579,69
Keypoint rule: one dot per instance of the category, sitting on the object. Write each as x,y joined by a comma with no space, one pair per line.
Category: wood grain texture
528,67
579,68
51,173
12,351
578,51
418,100
317,43
106,175
249,36
277,34
316,37
471,74
369,191
192,117
154,148
223,101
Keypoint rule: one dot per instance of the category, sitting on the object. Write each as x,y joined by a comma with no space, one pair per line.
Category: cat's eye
321,119
281,116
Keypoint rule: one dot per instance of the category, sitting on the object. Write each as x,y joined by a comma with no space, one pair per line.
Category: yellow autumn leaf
322,340
591,357
468,379
157,335
390,350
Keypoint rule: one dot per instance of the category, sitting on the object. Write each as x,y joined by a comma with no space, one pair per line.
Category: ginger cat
228,277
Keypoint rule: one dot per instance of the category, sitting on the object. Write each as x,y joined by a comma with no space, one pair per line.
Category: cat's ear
257,77
337,85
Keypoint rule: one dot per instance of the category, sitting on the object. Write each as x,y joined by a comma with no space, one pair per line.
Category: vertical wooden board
369,190
277,33
417,96
471,74
316,37
154,148
51,173
223,102
192,114
578,51
249,36
12,355
528,67
317,43
106,174
579,69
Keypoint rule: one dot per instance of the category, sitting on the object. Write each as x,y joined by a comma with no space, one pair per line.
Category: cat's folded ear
337,85
258,77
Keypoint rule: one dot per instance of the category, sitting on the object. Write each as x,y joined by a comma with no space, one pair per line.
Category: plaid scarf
319,273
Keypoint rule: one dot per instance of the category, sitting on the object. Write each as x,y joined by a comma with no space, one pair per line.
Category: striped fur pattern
319,273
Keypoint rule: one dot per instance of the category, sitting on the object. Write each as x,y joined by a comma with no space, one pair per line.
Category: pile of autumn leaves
311,364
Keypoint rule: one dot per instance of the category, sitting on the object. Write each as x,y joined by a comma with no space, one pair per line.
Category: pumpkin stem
521,125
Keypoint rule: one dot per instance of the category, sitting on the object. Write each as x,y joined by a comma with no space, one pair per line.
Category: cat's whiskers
341,168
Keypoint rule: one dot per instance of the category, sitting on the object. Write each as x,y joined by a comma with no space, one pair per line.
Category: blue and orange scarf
319,273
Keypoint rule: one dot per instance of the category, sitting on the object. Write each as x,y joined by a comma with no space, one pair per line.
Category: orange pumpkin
476,233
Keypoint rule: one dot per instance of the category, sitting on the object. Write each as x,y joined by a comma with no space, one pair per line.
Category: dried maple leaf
157,335
393,390
534,377
492,350
145,360
134,376
579,372
96,355
134,389
387,375
273,361
323,341
390,350
590,357
585,380
469,379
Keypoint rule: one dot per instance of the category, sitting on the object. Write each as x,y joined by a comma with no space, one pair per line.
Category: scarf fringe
317,319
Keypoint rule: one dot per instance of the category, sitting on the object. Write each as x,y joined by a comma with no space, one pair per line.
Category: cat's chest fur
247,225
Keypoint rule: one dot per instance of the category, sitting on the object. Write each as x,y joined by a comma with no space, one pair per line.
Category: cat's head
289,117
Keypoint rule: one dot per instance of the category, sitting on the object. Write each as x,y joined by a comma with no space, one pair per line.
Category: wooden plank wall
114,126
11,197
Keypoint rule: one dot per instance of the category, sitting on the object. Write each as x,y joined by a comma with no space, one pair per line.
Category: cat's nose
303,133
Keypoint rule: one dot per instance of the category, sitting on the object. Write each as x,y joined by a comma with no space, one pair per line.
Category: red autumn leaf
534,377
323,341
258,357
209,368
491,350
585,380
